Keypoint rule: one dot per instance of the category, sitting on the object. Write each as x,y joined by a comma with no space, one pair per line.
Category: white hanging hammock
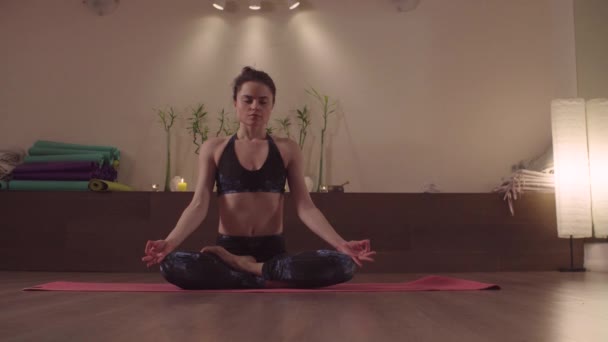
526,180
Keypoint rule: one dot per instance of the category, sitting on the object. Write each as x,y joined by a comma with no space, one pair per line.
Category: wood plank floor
532,306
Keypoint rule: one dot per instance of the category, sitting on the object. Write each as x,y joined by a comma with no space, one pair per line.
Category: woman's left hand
358,250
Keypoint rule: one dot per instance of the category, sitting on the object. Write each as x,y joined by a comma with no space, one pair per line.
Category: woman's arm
196,211
306,209
312,217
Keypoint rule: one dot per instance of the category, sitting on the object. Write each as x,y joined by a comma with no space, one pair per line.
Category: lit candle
182,186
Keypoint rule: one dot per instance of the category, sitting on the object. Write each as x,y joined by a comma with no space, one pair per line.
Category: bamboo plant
284,126
269,130
226,127
328,109
303,121
199,131
222,119
167,118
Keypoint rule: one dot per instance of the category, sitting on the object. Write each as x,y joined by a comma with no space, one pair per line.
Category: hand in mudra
156,251
358,250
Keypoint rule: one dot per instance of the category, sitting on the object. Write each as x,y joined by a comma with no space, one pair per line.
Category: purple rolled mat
105,174
58,176
56,166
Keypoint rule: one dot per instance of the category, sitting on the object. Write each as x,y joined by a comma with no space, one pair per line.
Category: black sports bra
232,177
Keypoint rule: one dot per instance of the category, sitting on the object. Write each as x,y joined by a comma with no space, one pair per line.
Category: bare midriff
251,214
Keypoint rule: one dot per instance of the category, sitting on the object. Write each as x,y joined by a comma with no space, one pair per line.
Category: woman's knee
343,265
199,271
168,264
334,267
173,269
187,270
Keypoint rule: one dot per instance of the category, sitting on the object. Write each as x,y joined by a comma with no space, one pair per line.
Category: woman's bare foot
243,263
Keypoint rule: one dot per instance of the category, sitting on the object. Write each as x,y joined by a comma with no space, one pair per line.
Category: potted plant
226,127
328,109
284,126
199,131
167,118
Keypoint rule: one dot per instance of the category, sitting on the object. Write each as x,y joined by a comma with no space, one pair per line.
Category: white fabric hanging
9,159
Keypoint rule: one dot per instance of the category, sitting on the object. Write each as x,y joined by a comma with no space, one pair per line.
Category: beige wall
452,93
591,47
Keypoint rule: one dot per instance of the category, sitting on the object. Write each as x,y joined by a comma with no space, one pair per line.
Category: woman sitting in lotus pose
250,170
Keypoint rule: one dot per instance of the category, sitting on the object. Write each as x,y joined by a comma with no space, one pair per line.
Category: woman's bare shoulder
288,148
287,143
216,141
214,146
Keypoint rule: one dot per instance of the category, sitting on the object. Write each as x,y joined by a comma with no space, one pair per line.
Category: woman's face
253,104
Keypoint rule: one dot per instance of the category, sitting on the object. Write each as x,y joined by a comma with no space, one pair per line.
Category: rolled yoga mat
54,144
57,175
3,186
104,173
430,283
102,185
56,166
90,157
38,185
48,151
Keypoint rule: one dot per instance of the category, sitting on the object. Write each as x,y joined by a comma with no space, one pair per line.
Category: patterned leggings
196,270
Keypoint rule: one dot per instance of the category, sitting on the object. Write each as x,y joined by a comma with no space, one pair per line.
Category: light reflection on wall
323,50
203,47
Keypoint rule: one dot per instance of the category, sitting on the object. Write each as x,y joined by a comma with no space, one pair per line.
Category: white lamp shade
597,135
571,161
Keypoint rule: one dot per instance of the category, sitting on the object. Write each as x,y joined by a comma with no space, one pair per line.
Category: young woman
250,170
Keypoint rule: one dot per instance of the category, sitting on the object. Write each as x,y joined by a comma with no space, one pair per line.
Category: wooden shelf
412,232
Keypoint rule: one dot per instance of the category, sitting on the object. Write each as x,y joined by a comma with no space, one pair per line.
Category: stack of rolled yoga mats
57,166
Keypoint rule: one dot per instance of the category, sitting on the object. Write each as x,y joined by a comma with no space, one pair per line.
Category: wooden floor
534,306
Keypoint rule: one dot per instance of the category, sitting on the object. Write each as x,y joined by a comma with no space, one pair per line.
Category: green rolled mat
103,185
49,151
55,144
36,185
92,157
3,186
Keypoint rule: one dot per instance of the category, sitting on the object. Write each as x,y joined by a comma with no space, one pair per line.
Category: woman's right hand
359,251
156,251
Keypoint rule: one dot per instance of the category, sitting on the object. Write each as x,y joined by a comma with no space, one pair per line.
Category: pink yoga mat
430,283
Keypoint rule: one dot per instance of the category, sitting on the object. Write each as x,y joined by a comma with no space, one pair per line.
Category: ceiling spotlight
255,4
219,4
292,4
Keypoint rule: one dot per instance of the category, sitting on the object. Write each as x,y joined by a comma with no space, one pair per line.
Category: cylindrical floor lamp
572,179
597,135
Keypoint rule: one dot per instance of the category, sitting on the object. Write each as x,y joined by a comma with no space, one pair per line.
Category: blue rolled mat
90,157
52,151
55,144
